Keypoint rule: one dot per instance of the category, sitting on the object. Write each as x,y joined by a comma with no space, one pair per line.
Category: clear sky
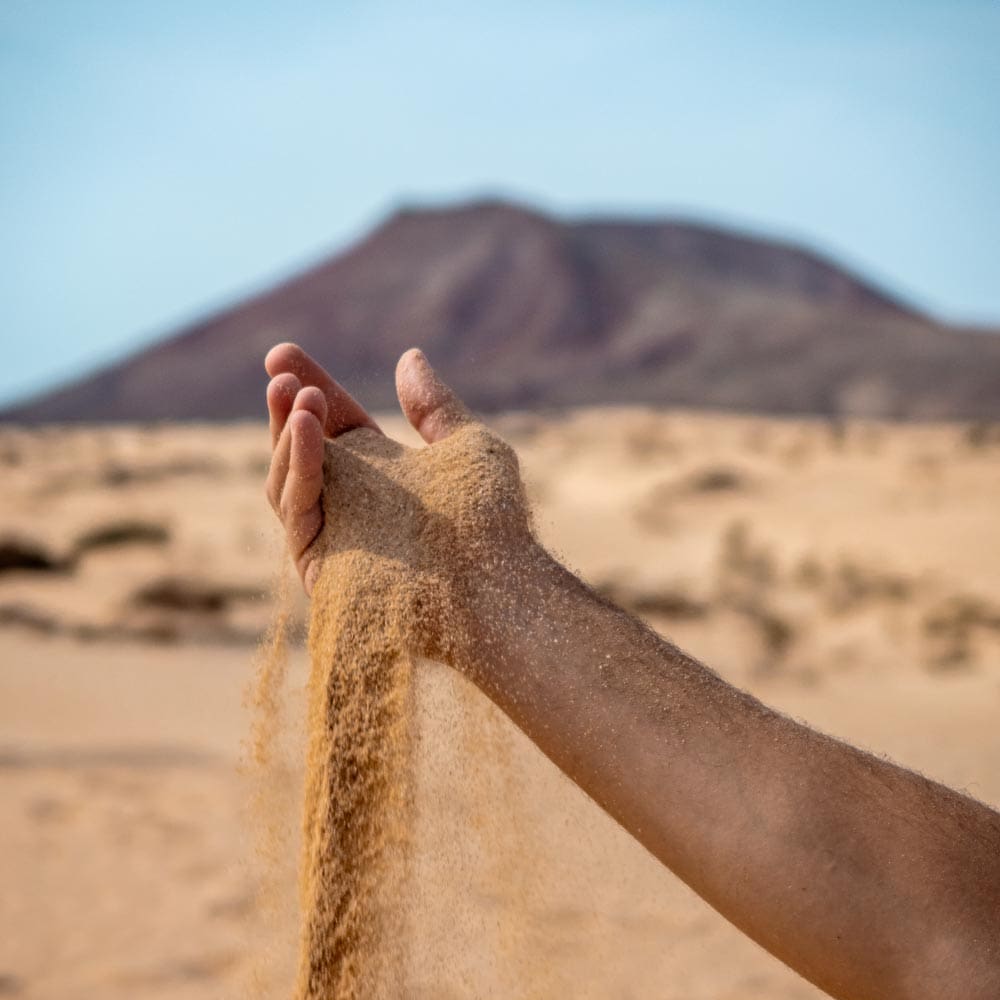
159,158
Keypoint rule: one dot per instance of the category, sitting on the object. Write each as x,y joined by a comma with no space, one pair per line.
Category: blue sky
158,160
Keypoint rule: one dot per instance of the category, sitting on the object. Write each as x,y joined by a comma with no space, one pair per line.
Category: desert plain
847,573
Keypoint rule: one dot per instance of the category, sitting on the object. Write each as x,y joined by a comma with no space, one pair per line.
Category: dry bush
776,632
837,431
665,602
654,513
746,575
950,627
809,573
745,568
851,586
716,479
115,534
26,555
25,616
186,594
982,434
115,474
673,604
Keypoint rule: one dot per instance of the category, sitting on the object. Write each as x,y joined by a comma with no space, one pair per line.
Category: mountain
521,310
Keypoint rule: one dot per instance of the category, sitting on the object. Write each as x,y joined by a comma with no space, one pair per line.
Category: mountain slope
518,309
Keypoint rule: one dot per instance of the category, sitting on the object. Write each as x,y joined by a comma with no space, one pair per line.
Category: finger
301,510
281,393
278,470
311,400
430,406
344,412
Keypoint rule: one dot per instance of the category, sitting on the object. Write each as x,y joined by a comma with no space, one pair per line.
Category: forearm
867,879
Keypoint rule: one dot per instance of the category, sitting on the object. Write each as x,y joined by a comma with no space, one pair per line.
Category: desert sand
845,573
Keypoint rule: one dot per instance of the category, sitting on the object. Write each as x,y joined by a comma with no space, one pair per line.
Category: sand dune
844,572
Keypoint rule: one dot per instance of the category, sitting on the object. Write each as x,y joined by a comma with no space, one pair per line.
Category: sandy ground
845,573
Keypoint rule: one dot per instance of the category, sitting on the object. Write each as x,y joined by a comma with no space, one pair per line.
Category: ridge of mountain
520,310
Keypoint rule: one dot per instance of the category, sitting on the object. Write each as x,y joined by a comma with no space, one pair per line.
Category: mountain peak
519,309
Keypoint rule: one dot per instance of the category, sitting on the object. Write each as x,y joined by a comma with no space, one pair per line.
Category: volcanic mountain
517,309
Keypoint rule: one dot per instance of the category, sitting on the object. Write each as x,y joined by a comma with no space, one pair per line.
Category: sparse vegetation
666,602
850,586
25,555
716,479
837,430
809,573
192,595
27,617
950,630
114,534
654,511
982,434
776,632
116,474
745,567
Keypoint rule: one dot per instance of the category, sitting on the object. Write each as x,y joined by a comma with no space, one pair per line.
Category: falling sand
427,867
402,528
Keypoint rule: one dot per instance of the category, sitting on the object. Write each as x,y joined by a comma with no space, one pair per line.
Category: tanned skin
869,880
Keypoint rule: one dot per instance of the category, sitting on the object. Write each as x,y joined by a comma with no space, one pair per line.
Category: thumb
430,406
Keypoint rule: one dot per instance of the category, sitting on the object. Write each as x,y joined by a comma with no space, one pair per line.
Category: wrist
510,599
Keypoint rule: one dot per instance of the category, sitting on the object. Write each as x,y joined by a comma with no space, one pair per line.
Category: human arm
869,880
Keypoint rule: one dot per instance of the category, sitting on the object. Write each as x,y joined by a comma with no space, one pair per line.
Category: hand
307,406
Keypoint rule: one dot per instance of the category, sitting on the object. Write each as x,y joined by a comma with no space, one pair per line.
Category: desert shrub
743,563
25,616
654,512
674,604
665,602
185,594
948,631
776,632
716,479
950,627
809,573
26,555
982,434
837,432
851,586
114,534
115,474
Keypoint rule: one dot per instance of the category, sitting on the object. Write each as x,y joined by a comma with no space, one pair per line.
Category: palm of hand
433,526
